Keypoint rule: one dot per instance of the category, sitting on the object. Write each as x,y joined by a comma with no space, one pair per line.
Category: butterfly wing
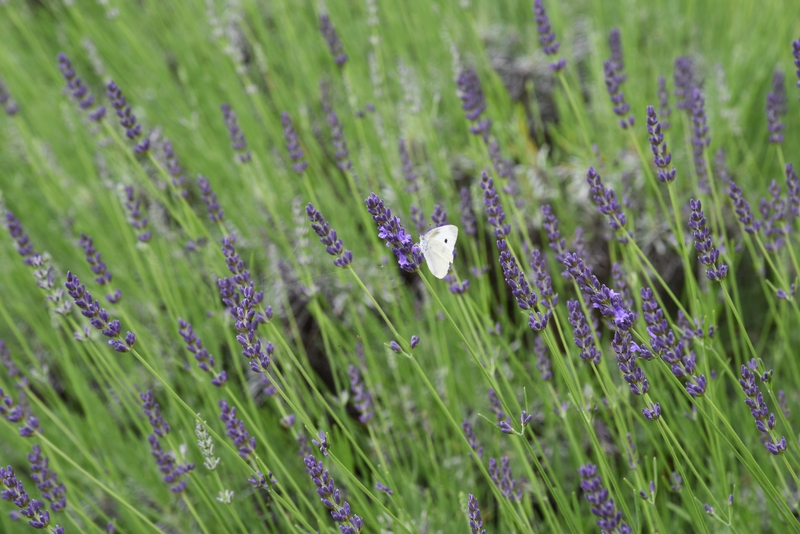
438,245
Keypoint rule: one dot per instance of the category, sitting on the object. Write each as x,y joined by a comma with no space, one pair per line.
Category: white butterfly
437,246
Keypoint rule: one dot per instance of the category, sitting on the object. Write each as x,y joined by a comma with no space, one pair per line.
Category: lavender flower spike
765,421
204,360
34,510
614,81
215,213
238,142
333,245
684,83
475,520
582,335
607,204
23,242
700,137
661,156
742,209
547,38
10,106
171,470
793,188
127,119
98,317
47,480
627,353
349,523
98,266
361,397
775,107
137,218
80,93
610,520
409,256
504,480
234,429
299,164
473,102
332,38
707,254
497,217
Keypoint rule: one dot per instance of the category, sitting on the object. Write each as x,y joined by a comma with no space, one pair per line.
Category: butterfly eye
445,240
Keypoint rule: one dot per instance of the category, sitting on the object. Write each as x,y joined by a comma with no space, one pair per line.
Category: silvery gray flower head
206,446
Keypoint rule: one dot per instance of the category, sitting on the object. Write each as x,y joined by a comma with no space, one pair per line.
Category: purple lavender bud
10,106
332,38
127,119
47,480
515,278
77,88
11,368
684,83
299,164
468,221
615,45
328,237
34,510
414,341
796,54
550,224
174,169
765,421
496,408
742,209
610,520
204,360
700,137
707,254
439,216
98,317
383,488
258,481
652,412
504,480
473,102
136,215
542,360
773,221
361,397
606,300
581,333
607,204
663,103
238,142
321,442
171,470
234,429
543,280
547,37
614,86
408,167
395,347
153,412
332,497
627,352
776,107
469,433
475,521
793,188
409,256
494,209
98,267
341,152
215,213
661,156
23,243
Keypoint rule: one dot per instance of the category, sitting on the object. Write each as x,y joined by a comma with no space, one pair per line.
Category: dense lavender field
214,313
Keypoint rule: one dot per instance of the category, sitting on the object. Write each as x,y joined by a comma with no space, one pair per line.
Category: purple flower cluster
494,209
169,467
215,213
496,407
663,103
515,278
606,300
98,317
547,37
615,45
550,224
707,254
793,188
610,520
174,169
349,523
98,266
661,155
742,209
127,119
234,429
469,433
614,79
78,89
137,218
627,352
361,397
299,164
15,413
504,480
765,421
408,167
796,54
341,152
409,256
10,106
776,107
684,83
34,510
332,38
23,242
773,215
46,480
328,237
473,102
543,280
581,333
11,368
700,137
607,204
204,360
238,142
475,520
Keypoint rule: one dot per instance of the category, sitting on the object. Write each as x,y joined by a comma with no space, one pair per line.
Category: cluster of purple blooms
361,397
607,204
776,107
547,37
78,89
610,520
299,164
328,237
234,429
765,421
127,119
19,413
473,102
331,497
168,465
46,480
174,169
614,77
332,38
98,267
238,142
409,256
33,509
475,520
136,214
204,360
707,254
98,317
504,480
341,152
215,213
661,155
